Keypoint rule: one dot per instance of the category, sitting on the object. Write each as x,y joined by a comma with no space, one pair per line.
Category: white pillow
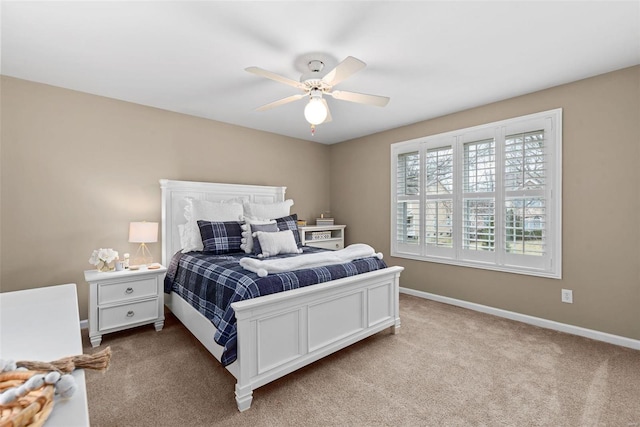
205,210
268,210
280,242
247,239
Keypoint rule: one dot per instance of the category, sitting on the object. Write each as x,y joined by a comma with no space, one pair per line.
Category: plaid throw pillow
267,228
220,237
290,223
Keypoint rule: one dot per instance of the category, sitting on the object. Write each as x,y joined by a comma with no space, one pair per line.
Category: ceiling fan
314,85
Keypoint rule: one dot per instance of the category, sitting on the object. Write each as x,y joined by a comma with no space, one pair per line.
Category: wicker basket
32,409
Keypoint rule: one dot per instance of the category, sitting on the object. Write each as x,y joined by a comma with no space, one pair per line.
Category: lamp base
143,256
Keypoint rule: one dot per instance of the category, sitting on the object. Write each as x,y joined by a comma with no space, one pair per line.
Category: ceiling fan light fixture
315,111
315,84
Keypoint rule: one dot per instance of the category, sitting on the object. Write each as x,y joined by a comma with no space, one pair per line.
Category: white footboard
280,333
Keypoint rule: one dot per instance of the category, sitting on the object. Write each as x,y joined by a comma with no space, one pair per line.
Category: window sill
484,266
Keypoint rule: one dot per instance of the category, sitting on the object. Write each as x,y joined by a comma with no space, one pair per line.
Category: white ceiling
431,58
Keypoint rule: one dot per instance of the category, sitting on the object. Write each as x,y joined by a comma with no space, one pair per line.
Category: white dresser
43,324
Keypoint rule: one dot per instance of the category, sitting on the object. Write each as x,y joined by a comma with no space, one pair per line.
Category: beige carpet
447,367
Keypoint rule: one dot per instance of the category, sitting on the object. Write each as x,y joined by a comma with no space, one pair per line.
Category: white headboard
173,203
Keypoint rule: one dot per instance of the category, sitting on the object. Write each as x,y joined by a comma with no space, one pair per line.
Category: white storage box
320,235
324,221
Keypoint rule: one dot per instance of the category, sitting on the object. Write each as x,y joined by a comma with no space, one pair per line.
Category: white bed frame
282,332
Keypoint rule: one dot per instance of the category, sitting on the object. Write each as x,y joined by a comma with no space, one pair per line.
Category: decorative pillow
205,210
247,239
268,210
290,223
181,233
267,228
280,242
220,237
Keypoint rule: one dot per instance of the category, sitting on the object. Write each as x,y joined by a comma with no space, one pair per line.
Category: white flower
103,255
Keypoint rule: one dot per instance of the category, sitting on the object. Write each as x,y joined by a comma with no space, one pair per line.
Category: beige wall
77,168
601,206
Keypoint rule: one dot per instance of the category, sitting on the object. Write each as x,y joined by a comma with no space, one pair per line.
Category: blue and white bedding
210,283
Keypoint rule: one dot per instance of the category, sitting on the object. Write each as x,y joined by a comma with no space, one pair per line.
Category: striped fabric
210,283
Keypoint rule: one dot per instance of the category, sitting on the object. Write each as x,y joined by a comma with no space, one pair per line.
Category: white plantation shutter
406,214
487,196
480,166
439,200
525,178
525,163
528,241
478,200
525,226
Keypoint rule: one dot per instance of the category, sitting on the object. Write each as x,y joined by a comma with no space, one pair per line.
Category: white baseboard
531,320
84,324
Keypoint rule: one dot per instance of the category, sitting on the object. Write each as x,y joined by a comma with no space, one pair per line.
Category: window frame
547,265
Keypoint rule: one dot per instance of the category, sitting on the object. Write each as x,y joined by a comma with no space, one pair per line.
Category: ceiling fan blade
274,76
361,98
282,101
343,70
328,119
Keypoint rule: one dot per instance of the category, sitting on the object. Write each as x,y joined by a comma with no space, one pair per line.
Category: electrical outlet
567,296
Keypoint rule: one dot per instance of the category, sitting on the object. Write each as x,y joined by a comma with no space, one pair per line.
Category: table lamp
143,233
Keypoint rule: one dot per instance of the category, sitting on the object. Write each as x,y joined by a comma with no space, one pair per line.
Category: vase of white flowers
103,259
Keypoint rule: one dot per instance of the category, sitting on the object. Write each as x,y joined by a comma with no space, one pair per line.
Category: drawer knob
129,291
130,313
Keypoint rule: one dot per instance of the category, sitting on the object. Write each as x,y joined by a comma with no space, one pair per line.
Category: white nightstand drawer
127,314
123,291
328,244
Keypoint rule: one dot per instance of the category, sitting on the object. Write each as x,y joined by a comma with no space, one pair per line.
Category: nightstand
322,236
124,299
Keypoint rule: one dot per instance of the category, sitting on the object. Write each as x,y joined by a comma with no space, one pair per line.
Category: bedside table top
321,227
94,275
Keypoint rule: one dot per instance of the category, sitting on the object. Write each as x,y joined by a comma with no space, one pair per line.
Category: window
487,196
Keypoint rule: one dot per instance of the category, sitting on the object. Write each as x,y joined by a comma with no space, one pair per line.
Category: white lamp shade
143,232
315,112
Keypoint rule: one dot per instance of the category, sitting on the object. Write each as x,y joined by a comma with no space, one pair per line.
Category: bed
281,332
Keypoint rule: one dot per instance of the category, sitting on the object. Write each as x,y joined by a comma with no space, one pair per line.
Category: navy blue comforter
210,283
